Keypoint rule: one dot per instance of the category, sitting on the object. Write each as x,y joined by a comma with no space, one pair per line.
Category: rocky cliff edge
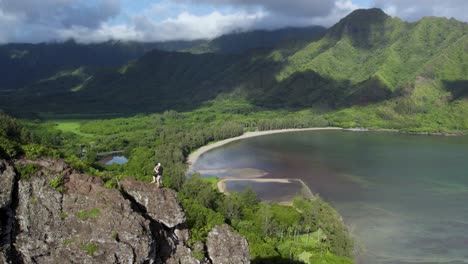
57,215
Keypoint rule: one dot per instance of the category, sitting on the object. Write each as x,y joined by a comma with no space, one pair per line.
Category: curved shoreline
193,157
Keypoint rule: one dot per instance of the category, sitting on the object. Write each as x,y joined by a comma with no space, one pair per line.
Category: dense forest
308,231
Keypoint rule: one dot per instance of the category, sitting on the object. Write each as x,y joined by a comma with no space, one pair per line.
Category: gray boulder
83,223
160,204
182,255
58,215
227,247
7,181
7,217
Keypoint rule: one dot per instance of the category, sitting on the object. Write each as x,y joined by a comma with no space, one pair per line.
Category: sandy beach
248,174
193,157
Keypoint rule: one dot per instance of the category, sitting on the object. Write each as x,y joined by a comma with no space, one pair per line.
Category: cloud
304,8
101,20
412,10
9,23
87,21
104,33
340,9
43,20
189,26
64,13
185,26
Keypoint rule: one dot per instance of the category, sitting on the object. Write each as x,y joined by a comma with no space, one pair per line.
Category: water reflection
114,160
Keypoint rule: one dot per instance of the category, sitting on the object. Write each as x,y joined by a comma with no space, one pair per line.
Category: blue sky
159,20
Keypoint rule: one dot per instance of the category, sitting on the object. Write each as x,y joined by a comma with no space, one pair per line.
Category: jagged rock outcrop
7,185
226,247
58,215
160,204
83,223
67,217
7,180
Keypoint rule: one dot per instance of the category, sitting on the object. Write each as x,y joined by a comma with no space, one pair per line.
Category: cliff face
57,215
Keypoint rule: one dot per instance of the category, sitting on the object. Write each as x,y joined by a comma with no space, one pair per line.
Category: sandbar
221,184
241,173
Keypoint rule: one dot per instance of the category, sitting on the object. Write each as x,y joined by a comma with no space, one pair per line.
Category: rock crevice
58,215
8,205
162,208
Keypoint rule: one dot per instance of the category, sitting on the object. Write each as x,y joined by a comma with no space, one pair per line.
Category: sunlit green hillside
398,74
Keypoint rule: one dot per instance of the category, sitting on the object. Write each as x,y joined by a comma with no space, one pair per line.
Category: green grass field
72,126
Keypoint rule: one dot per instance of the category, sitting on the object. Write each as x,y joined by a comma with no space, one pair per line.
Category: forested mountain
237,43
22,65
367,57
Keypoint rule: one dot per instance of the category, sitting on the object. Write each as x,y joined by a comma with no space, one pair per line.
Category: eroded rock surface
7,217
227,247
7,181
83,223
58,215
67,217
160,204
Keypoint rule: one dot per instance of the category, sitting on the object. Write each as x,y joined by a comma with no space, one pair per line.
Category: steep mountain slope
369,45
237,43
23,64
367,57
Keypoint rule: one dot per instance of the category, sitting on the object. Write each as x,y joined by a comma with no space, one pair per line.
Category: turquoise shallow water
404,197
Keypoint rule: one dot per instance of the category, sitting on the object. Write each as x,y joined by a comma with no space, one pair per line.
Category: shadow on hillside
459,89
275,260
309,89
161,81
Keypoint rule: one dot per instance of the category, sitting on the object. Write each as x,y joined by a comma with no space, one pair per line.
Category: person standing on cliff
157,175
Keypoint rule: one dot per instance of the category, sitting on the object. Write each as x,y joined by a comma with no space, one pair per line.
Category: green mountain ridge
366,59
23,65
238,43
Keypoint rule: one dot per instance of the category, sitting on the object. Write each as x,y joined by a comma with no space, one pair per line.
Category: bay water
403,197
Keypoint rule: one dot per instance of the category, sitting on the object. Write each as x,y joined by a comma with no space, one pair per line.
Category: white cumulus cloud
188,26
101,20
304,8
412,10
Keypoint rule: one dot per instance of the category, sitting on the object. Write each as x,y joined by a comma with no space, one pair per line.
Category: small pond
114,160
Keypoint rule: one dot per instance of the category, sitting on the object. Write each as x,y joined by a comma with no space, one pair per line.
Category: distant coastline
194,156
